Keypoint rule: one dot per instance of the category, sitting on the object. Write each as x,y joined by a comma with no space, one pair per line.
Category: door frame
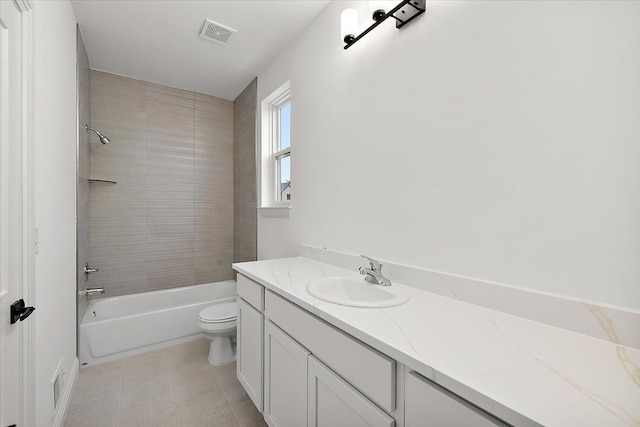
28,239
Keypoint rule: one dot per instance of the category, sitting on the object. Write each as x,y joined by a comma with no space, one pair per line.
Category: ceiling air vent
216,32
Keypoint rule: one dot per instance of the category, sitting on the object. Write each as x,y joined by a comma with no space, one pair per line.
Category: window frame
277,153
271,153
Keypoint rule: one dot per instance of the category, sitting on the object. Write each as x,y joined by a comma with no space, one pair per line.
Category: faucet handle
375,264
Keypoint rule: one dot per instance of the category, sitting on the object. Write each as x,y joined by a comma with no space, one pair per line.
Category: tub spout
94,291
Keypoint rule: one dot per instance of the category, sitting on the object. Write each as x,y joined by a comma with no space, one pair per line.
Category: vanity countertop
525,372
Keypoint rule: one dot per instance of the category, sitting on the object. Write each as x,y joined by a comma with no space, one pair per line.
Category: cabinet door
249,355
334,403
427,404
285,379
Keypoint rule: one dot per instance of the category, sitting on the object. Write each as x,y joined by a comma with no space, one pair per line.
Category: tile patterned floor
174,386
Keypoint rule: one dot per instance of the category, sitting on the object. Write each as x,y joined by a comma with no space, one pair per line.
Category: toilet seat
219,313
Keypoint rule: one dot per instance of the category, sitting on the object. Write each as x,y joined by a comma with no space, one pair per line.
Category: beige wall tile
83,205
118,215
169,220
170,270
118,90
244,174
213,119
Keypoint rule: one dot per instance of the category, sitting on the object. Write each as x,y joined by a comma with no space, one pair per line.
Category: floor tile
203,405
189,355
225,374
216,421
101,412
149,404
175,386
98,382
189,382
143,368
234,392
108,366
247,414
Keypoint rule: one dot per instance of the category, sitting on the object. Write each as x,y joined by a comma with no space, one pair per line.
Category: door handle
19,311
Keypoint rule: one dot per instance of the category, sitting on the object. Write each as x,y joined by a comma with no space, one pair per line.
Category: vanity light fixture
404,12
348,25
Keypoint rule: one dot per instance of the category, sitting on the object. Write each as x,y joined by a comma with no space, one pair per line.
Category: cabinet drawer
251,292
366,369
425,400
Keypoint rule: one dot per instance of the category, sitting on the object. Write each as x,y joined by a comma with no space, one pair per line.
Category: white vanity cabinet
351,359
332,356
249,356
313,374
428,404
285,379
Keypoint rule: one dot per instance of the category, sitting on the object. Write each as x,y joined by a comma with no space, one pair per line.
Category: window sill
275,211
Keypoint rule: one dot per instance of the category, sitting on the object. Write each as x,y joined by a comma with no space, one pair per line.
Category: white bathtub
122,326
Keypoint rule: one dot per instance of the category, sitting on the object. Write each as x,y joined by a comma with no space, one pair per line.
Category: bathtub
122,326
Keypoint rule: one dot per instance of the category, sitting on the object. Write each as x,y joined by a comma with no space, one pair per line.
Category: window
276,151
282,152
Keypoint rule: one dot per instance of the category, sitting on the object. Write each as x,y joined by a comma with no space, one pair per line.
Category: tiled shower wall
84,172
244,174
168,221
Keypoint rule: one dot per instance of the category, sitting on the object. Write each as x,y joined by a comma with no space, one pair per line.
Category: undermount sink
356,292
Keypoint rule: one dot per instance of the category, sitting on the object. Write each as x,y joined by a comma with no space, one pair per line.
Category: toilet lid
220,312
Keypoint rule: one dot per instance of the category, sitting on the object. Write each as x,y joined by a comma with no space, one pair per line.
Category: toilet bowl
218,323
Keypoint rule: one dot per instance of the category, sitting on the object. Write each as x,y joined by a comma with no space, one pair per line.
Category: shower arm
103,139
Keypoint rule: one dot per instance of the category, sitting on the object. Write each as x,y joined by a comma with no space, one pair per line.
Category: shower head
103,139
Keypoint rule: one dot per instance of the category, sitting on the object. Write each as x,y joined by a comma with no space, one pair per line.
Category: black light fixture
404,12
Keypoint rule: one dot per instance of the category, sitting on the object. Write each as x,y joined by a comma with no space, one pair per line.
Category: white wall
498,140
55,195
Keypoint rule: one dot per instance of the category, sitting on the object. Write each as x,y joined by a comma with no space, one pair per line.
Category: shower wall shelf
102,181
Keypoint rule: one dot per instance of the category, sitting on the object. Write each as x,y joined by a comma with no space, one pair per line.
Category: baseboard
65,400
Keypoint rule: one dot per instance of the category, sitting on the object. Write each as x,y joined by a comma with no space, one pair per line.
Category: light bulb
349,24
378,8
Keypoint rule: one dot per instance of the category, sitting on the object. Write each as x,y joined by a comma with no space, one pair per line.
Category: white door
285,379
11,145
334,403
250,349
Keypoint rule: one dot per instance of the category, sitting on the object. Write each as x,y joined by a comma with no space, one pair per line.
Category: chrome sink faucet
374,274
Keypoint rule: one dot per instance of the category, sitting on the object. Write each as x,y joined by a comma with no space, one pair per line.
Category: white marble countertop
524,372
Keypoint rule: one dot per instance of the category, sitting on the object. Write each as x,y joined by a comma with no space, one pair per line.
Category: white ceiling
158,41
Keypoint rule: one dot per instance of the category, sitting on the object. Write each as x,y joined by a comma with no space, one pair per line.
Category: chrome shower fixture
103,138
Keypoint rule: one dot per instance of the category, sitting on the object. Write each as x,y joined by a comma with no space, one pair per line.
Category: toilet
218,323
